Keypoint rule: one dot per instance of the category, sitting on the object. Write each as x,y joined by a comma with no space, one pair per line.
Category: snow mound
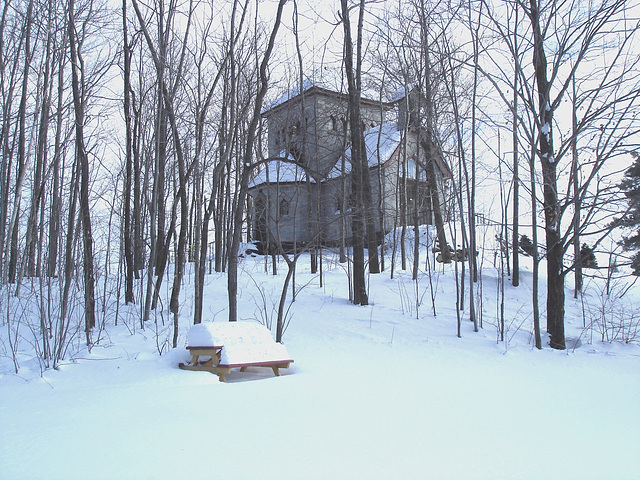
242,342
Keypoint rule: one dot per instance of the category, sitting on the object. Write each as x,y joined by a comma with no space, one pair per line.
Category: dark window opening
284,207
261,219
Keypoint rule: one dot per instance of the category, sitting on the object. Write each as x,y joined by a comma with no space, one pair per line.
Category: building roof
401,93
307,85
381,143
283,170
319,82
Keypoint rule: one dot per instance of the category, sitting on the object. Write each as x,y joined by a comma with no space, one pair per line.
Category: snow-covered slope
386,391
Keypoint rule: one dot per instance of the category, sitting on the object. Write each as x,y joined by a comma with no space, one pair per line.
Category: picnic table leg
276,370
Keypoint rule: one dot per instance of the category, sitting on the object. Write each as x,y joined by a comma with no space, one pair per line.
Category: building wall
292,226
325,120
417,188
336,219
315,209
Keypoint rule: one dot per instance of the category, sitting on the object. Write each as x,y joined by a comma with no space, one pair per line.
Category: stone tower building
301,196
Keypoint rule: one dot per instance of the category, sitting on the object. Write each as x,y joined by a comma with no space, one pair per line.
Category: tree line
132,133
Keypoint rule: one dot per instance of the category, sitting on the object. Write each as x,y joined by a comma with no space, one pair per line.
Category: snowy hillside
386,391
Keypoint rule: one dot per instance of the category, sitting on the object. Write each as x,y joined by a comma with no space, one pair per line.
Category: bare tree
57,167
82,166
563,39
224,146
127,233
358,152
22,154
248,166
515,276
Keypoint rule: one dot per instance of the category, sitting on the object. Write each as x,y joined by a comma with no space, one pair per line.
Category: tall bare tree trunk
515,277
471,199
33,242
247,168
7,79
22,157
430,146
127,233
358,161
555,251
536,255
69,262
56,194
82,160
367,194
225,143
468,239
575,180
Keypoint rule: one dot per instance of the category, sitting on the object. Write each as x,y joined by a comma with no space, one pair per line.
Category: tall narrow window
284,207
261,218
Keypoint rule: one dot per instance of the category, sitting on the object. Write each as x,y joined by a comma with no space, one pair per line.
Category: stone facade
302,195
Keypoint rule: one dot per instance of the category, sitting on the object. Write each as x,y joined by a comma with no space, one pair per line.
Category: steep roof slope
381,143
280,171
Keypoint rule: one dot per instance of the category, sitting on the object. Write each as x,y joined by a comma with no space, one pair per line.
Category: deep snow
376,392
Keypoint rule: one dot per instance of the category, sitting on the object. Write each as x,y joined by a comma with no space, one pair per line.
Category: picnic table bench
217,347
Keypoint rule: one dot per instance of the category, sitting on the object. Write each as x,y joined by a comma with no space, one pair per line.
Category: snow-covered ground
386,391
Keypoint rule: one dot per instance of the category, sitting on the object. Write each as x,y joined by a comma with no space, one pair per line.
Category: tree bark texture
555,251
358,164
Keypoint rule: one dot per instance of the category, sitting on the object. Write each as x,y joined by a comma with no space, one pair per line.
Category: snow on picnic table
242,342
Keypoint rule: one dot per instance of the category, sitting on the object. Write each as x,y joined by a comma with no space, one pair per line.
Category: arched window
284,207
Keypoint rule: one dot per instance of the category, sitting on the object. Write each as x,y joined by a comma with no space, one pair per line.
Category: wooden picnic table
212,363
